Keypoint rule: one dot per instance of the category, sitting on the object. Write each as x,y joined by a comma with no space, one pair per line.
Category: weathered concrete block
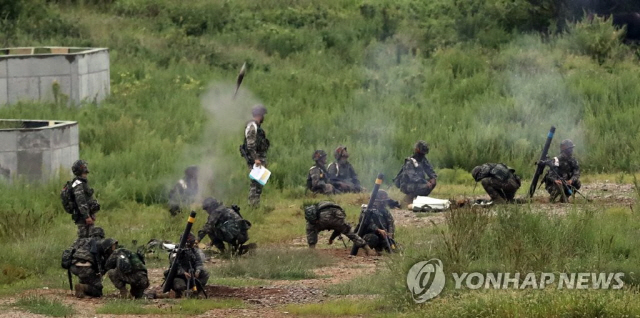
8,165
38,65
4,96
8,140
34,139
46,86
97,62
3,68
23,88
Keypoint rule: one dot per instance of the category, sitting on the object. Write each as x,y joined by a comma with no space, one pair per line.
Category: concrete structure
81,74
36,149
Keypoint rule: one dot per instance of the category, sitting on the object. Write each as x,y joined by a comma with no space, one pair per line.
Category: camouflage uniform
88,264
380,216
343,177
125,267
86,205
184,192
224,225
318,180
568,168
414,177
330,217
190,259
498,180
256,146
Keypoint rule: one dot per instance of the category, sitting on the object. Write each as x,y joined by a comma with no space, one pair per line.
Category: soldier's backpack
68,199
399,180
230,230
501,172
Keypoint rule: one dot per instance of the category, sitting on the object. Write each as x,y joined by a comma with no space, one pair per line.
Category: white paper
433,203
260,174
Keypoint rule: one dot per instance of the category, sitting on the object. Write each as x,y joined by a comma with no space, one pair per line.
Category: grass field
477,80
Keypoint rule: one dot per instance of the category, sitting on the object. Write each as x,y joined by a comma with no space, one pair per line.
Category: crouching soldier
125,267
563,176
318,177
88,263
225,225
498,180
341,173
417,177
380,225
328,216
190,267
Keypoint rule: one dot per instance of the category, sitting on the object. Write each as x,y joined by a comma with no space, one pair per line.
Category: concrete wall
38,153
82,76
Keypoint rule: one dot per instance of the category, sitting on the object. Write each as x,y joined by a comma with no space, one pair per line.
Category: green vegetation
44,306
275,264
186,307
335,308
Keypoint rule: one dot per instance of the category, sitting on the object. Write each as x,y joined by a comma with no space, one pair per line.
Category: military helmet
96,232
382,196
475,173
319,154
210,204
339,152
422,147
258,110
107,243
79,167
566,144
191,171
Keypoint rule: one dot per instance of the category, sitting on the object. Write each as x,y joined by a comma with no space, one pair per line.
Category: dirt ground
269,300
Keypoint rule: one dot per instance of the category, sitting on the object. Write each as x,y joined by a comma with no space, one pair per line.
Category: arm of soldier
111,262
392,226
428,168
316,180
575,175
198,265
251,134
354,176
81,201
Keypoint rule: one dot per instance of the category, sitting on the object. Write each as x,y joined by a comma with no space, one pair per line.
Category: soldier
254,149
341,173
190,267
563,168
88,263
225,225
499,180
380,224
125,267
318,178
85,205
185,191
327,215
417,176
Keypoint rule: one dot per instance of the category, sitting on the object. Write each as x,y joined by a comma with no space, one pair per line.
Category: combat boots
81,290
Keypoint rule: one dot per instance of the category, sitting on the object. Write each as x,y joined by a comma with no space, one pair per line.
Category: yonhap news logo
426,280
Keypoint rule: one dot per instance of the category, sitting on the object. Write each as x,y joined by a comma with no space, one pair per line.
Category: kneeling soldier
380,227
328,216
190,267
225,225
500,181
125,267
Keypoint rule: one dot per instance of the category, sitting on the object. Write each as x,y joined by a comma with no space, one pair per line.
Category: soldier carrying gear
328,216
88,263
254,149
417,177
341,173
563,176
185,191
125,267
85,205
318,177
225,225
498,180
190,267
381,225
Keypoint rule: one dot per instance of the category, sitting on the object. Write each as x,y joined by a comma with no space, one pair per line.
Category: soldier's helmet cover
259,110
422,147
319,154
340,152
79,167
566,144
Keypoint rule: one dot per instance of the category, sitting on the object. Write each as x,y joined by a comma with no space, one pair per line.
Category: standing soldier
499,180
225,225
341,173
190,267
85,205
254,149
318,177
417,176
327,215
185,191
381,225
563,168
125,267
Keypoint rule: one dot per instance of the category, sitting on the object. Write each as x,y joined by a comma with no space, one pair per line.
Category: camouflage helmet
191,171
382,196
319,154
566,144
475,173
96,232
339,152
210,204
422,147
79,167
107,243
258,110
